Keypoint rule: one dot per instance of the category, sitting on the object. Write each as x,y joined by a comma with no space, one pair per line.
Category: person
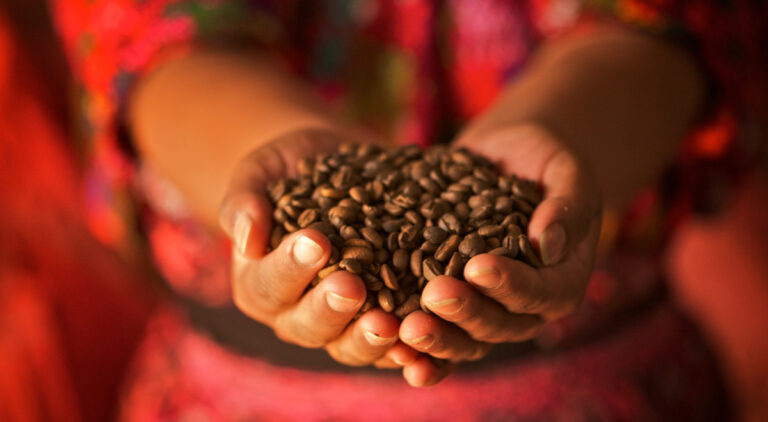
192,107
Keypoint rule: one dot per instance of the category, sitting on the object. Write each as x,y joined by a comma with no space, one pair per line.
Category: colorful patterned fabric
415,70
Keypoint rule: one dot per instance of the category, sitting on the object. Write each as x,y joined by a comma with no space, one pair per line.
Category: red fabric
68,320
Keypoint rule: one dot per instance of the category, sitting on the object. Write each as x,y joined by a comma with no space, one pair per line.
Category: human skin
222,124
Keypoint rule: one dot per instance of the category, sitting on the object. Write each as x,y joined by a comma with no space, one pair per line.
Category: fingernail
306,252
448,306
423,342
487,277
401,362
377,340
340,303
552,244
242,231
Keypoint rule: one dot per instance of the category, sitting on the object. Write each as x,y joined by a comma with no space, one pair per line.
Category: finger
386,363
551,292
482,318
367,340
324,311
247,219
402,354
428,334
423,372
569,208
277,280
245,213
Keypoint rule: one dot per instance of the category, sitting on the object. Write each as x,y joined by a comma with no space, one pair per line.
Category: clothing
415,70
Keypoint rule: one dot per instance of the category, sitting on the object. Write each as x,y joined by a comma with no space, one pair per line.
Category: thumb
247,219
569,209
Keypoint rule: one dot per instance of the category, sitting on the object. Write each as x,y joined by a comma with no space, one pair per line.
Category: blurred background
70,320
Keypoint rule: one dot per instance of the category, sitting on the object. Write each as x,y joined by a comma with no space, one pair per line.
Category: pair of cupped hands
502,300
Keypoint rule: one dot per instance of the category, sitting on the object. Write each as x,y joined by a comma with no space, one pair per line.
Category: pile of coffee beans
403,216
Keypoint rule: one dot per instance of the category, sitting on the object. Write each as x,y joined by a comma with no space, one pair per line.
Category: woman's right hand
270,287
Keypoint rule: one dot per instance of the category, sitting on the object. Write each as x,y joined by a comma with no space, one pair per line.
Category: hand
507,300
270,287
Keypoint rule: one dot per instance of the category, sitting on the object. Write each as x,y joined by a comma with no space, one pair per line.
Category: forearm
622,101
194,118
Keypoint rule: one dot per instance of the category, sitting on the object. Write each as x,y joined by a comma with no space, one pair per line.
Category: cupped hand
505,300
272,287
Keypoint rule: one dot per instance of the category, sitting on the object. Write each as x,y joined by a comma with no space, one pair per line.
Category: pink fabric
640,373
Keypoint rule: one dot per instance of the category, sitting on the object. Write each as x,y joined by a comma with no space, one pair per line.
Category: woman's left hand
506,300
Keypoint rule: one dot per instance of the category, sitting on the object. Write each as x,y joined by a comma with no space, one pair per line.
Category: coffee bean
400,260
431,268
435,234
449,222
339,216
527,251
392,225
357,253
429,247
373,237
389,277
348,232
415,262
489,230
325,272
447,248
386,301
392,243
400,217
290,226
411,304
356,241
455,267
471,245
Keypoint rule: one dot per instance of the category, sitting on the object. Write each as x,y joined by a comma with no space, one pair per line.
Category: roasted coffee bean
356,241
400,217
348,232
381,255
527,190
392,225
472,244
455,266
447,248
359,254
373,237
435,234
527,251
392,243
290,226
389,277
431,268
386,300
339,216
307,217
415,261
511,244
325,272
490,230
450,222
359,194
400,260
429,247
350,265
481,212
411,304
